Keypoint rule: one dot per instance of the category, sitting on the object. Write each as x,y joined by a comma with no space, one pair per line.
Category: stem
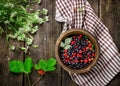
37,80
29,83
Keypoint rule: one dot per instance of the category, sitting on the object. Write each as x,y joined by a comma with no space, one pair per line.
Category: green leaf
42,64
67,46
21,37
24,49
12,47
35,46
16,66
48,65
29,41
12,36
62,44
51,62
38,1
28,65
12,15
67,41
35,29
46,18
86,37
1,30
36,67
6,22
50,68
93,46
44,11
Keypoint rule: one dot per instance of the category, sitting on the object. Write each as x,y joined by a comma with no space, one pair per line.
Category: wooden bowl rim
77,31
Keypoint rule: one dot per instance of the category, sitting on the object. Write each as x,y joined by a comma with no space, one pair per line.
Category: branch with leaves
43,66
20,22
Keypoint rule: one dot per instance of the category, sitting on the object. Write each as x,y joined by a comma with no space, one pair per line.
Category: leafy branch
43,66
18,23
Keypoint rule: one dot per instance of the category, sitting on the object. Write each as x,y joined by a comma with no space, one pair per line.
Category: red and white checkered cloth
79,14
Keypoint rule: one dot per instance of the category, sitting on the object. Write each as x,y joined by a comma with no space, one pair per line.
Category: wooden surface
107,10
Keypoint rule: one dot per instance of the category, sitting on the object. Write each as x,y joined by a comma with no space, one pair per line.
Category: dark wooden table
107,10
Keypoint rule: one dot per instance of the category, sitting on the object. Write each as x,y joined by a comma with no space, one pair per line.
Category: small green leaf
67,46
62,44
36,67
29,41
16,66
50,68
48,65
86,37
1,30
6,22
51,62
21,37
35,46
93,46
24,49
67,41
28,65
42,64
12,47
44,11
34,29
46,18
12,15
38,1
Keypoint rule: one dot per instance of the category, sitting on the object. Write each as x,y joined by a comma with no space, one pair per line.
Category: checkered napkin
79,14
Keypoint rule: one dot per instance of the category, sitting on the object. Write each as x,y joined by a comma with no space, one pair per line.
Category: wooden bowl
71,32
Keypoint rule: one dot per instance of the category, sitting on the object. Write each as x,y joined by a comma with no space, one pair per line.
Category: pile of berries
80,54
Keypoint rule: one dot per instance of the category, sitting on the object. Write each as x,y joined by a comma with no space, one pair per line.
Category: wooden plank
95,5
66,79
6,77
45,39
110,15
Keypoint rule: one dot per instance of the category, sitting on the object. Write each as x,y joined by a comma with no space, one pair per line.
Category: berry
76,46
72,42
90,45
81,61
76,61
41,72
85,61
74,54
80,51
65,54
65,51
80,35
93,54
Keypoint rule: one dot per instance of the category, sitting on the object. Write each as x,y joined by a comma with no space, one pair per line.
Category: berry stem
37,80
29,83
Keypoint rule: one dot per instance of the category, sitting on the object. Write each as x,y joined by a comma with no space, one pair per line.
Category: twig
37,80
29,83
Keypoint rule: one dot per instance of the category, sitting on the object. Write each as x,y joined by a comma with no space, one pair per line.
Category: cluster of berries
80,54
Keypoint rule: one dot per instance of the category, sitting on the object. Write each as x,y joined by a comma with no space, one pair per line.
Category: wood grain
6,77
45,38
110,15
